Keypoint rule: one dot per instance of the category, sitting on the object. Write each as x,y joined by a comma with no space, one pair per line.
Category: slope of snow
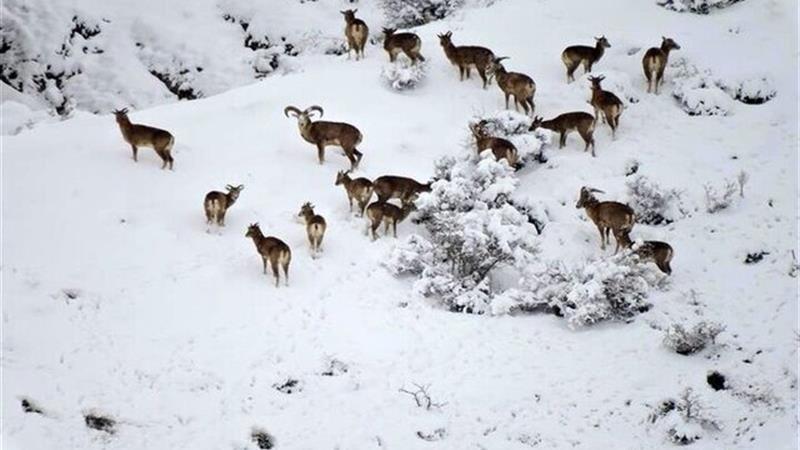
117,301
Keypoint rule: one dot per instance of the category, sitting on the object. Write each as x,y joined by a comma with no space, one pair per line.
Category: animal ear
240,187
355,10
597,190
449,34
343,13
229,187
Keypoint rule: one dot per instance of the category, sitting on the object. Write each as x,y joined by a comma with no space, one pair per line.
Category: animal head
537,122
121,114
445,39
349,14
253,230
303,117
586,196
602,42
341,176
478,129
596,81
497,63
234,191
306,210
669,44
389,31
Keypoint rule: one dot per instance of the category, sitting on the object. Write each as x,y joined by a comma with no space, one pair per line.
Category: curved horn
314,108
293,109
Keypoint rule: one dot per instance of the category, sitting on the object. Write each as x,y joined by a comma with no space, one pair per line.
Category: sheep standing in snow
145,136
216,204
356,32
576,55
408,43
388,214
607,216
519,85
501,148
606,104
467,57
323,133
565,123
358,189
315,227
654,62
656,251
273,250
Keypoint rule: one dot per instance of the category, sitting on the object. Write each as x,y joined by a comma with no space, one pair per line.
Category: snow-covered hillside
117,304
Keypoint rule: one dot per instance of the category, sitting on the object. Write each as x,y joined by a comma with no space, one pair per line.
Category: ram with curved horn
323,133
607,216
517,84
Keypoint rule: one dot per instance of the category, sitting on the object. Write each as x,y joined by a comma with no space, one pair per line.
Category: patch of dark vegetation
290,386
702,7
71,294
262,439
335,368
717,381
177,86
29,406
755,257
435,435
100,423
267,51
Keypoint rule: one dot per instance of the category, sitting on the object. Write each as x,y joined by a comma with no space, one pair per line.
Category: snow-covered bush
612,289
752,91
402,75
472,230
699,96
718,199
653,204
513,126
696,6
701,93
686,419
687,342
411,13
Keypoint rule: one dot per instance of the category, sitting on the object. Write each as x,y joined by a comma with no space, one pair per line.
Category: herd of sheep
608,216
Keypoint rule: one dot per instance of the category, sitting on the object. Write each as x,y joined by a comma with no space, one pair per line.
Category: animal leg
602,238
507,96
135,153
275,272
264,260
321,153
562,140
482,73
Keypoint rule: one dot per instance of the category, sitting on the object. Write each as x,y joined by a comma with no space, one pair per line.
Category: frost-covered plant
686,419
698,92
696,6
403,75
472,230
718,199
411,13
513,126
612,289
653,204
687,342
752,91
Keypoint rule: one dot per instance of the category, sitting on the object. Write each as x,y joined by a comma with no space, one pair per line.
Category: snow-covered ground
117,302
